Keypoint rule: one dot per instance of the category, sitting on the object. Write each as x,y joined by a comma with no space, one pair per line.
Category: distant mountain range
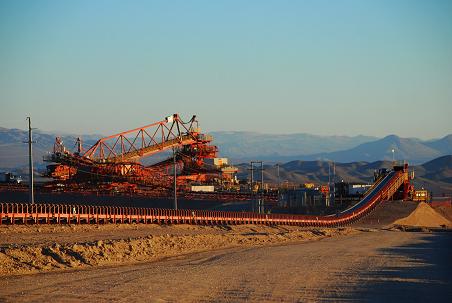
244,146
435,175
412,150
305,157
14,152
250,145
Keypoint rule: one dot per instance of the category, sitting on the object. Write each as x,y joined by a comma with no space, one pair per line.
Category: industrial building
301,200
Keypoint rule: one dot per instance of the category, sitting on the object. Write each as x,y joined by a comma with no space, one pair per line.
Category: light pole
329,184
251,177
262,188
30,163
261,201
175,178
393,157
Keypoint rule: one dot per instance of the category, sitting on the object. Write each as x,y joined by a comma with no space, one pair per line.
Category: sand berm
154,243
27,249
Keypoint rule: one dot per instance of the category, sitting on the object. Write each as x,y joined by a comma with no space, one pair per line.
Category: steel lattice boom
144,141
116,158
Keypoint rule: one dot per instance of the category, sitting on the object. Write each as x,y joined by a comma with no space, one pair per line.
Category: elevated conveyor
383,190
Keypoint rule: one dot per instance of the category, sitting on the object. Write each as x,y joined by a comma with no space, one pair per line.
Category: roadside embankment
33,249
27,249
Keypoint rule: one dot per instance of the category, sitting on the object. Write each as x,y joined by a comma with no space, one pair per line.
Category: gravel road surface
374,266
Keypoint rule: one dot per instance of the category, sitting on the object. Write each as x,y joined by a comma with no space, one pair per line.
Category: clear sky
323,67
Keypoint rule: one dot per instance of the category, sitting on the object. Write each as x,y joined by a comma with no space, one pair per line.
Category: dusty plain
371,261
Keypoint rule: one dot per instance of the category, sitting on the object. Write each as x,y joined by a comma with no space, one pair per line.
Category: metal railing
11,213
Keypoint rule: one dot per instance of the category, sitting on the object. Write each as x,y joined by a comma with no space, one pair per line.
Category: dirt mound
424,216
19,257
386,213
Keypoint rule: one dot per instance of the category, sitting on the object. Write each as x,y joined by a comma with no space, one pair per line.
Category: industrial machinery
7,177
116,159
421,195
382,190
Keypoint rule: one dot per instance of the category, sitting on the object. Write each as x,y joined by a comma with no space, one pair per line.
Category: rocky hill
435,175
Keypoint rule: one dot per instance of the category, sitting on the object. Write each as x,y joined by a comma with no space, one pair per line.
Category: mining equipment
114,161
114,165
8,177
421,195
382,190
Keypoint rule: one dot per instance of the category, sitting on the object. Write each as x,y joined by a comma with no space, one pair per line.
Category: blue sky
322,67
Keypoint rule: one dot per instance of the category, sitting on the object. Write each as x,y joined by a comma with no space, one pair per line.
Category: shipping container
218,162
203,188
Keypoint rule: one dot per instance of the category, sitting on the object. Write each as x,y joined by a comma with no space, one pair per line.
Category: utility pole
175,178
262,187
329,184
31,195
251,181
251,176
260,205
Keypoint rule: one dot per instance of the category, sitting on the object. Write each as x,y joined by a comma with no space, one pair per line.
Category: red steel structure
143,141
116,158
12,213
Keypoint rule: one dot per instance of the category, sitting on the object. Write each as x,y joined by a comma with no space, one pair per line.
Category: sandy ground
33,249
374,266
171,263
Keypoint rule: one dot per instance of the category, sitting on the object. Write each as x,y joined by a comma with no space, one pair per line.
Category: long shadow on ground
420,272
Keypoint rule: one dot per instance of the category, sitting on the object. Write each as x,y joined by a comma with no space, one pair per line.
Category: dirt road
371,266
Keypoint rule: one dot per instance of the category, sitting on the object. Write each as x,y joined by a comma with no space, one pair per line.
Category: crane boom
144,141
116,157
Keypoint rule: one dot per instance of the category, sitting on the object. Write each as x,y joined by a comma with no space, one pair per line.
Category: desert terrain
374,260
